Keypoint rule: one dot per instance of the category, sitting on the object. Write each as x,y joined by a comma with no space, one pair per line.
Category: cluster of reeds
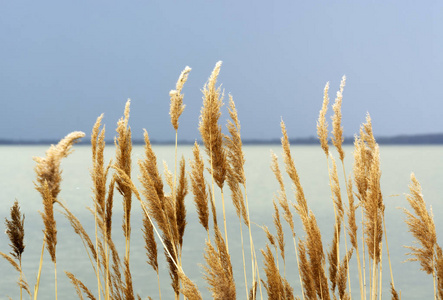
323,272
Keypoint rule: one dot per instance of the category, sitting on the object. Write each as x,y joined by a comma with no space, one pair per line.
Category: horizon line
404,139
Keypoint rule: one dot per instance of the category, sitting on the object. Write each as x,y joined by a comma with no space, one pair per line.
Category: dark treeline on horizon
420,139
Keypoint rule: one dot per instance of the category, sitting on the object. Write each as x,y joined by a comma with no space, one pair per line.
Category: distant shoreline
419,139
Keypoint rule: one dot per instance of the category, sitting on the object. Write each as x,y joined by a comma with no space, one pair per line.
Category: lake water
397,162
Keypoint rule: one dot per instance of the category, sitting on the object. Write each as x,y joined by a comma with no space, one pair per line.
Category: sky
63,63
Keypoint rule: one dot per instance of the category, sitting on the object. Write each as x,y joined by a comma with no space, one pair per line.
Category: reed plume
421,225
150,244
16,233
352,223
333,257
322,124
153,190
48,167
177,107
275,285
180,208
337,129
163,209
189,290
306,272
301,206
178,193
219,273
48,185
234,145
343,275
316,257
123,145
236,177
209,129
352,230
80,286
280,234
212,136
439,272
102,209
394,293
198,186
253,292
237,197
151,247
373,207
282,199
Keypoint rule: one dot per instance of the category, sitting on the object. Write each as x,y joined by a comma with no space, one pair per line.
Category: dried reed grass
324,274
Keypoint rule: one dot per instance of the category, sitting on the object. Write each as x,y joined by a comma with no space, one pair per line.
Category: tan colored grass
48,185
177,107
218,271
343,276
322,124
80,286
301,206
337,129
280,234
276,286
180,209
282,199
189,290
15,231
48,167
422,227
167,212
209,128
234,145
198,186
123,145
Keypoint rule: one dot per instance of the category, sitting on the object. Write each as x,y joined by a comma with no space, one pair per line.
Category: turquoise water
16,182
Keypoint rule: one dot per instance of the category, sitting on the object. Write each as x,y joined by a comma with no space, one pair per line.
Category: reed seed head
322,124
16,231
421,225
209,129
337,129
177,107
198,185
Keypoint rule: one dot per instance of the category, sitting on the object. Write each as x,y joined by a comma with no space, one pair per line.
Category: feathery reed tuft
422,227
280,234
48,168
235,153
209,129
219,273
150,244
177,107
301,206
198,185
123,147
79,286
322,124
337,129
15,231
189,290
180,209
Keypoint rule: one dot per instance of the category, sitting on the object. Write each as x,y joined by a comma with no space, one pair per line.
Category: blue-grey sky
63,63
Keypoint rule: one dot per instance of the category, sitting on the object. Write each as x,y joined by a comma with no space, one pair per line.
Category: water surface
397,162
